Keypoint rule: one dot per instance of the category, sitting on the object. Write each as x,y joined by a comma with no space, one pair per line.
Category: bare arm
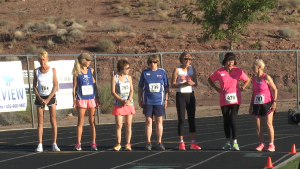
140,92
95,87
74,91
37,95
166,97
245,84
213,85
195,79
273,87
131,88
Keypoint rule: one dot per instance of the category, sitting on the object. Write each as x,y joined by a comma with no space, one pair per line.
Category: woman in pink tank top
263,103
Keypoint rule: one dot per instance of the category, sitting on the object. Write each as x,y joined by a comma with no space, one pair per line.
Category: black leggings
229,118
186,101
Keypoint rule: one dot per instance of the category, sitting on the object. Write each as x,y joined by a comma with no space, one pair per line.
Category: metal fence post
96,73
297,79
161,65
30,94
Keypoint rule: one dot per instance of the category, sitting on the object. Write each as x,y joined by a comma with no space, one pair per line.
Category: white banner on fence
12,91
65,82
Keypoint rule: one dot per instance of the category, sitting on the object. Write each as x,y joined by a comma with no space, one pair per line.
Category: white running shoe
54,147
39,148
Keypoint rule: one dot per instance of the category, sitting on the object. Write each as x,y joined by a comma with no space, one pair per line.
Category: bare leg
80,122
128,123
52,110
192,136
40,114
269,121
148,128
91,113
159,127
259,129
119,124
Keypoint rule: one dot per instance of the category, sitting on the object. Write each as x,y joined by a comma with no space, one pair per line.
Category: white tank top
44,81
183,77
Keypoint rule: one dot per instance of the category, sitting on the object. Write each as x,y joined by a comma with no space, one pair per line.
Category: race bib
231,98
87,90
259,99
46,89
125,88
154,87
186,89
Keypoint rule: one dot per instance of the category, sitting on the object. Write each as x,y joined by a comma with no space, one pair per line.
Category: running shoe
235,147
227,146
128,147
54,147
39,148
148,146
160,146
94,147
78,147
271,147
181,146
194,146
117,147
261,147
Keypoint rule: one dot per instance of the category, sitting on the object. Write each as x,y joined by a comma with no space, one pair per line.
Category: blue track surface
17,147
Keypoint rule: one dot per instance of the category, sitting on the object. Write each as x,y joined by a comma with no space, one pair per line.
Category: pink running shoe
181,146
271,147
261,147
194,146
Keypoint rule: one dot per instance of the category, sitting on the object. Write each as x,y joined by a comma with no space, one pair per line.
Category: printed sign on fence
12,91
64,94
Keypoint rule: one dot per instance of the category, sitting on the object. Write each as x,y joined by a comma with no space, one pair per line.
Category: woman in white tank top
44,86
184,79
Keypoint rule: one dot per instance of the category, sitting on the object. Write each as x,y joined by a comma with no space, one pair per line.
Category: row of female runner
153,89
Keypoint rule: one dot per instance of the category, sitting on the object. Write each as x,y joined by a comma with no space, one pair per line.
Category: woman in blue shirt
153,96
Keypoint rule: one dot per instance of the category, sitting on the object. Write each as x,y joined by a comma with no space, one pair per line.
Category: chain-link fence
280,64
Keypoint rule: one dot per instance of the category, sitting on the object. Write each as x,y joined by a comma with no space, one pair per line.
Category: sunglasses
127,68
187,59
153,62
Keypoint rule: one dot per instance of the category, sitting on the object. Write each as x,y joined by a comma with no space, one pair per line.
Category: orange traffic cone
269,163
293,151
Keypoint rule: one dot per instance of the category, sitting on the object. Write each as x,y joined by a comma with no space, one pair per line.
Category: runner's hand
273,107
124,102
140,103
166,104
190,83
97,102
74,104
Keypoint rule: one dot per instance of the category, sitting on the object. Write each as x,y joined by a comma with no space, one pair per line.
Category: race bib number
154,87
259,99
87,90
186,89
125,88
46,89
231,98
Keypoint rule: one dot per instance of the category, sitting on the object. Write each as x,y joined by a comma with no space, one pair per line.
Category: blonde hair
153,58
259,62
76,68
43,55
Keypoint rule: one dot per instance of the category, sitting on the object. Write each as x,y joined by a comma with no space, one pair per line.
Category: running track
17,147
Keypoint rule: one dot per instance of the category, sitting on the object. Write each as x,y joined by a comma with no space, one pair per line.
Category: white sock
193,141
234,141
181,141
54,144
40,144
271,143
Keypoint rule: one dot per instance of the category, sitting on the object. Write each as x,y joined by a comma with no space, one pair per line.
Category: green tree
227,19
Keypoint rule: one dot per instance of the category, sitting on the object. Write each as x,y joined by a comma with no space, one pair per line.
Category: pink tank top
262,92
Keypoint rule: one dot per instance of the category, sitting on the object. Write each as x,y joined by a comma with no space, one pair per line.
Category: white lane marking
229,151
